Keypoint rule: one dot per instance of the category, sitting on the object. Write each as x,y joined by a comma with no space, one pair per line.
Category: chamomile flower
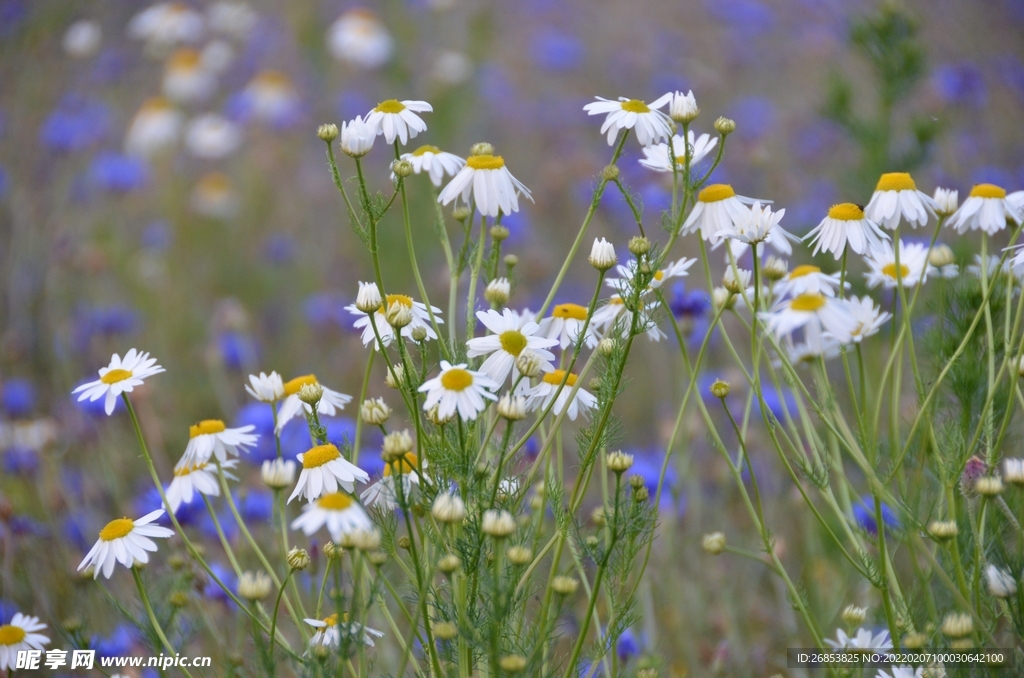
192,478
329,631
717,209
231,18
756,226
325,470
397,119
1012,268
215,196
675,269
384,493
512,334
845,226
155,127
864,639
211,438
166,24
650,123
187,79
896,198
434,162
565,324
271,98
356,138
656,157
913,266
866,317
124,541
211,136
488,181
339,511
816,344
360,38
120,376
19,634
331,402
267,388
541,395
987,209
807,279
609,315
420,318
457,389
808,308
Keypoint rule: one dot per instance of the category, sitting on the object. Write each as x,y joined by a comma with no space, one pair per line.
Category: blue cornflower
118,173
238,350
556,51
18,397
864,514
961,83
77,123
20,461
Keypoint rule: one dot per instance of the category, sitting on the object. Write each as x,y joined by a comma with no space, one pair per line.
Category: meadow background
225,266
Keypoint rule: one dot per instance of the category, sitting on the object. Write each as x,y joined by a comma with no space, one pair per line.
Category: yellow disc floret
896,181
890,270
988,191
335,501
11,634
117,529
801,271
555,377
456,379
716,192
116,375
846,211
320,455
390,106
485,162
513,341
423,150
574,311
407,463
807,302
205,427
635,106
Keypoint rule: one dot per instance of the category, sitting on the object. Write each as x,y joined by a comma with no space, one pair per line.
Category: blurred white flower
155,128
434,162
234,19
945,201
359,37
83,38
212,136
420,319
215,196
452,68
186,79
656,157
165,25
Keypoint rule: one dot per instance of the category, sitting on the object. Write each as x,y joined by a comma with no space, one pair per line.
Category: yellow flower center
988,191
295,385
273,79
155,105
513,341
117,529
320,455
406,464
423,150
680,159
801,271
456,379
890,270
557,376
186,470
206,427
574,311
114,376
403,299
331,620
716,192
214,183
635,106
658,275
807,302
896,181
335,501
390,106
11,634
184,59
485,162
846,211
615,301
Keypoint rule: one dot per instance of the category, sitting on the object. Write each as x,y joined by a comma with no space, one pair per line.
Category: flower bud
564,586
404,543
397,444
941,255
461,213
328,132
957,625
610,172
722,298
639,245
278,473
499,233
497,291
854,616
368,299
915,641
606,347
946,202
435,418
528,363
775,269
311,394
178,599
683,109
941,530
497,523
512,407
298,559
511,260
402,168
481,148
333,551
602,254
519,555
377,558
448,508
989,486
449,563
254,586
395,376
366,540
374,411
1013,471
398,315
1000,582
725,126
512,663
619,462
736,280
720,389
713,543
444,630
641,494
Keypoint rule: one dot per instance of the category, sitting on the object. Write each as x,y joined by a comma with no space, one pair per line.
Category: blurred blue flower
256,506
109,66
77,123
238,350
778,401
224,516
76,530
279,248
12,15
688,304
187,514
157,237
18,397
118,173
226,576
327,309
656,199
519,227
556,51
26,526
807,213
647,463
351,103
5,183
864,514
103,321
629,645
1010,70
960,83
755,117
816,140
7,611
748,15
990,174
117,644
20,461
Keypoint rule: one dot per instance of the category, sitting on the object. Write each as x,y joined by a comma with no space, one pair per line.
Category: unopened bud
377,558
497,523
444,630
511,260
497,291
461,213
941,255
957,625
448,508
989,486
528,363
395,376
499,233
396,445
404,543
775,269
368,300
941,530
512,663
720,389
311,393
564,586
366,540
639,245
374,411
853,615
619,462
481,148
328,132
398,315
713,543
449,563
512,407
606,347
519,555
298,559
725,126
610,172
402,168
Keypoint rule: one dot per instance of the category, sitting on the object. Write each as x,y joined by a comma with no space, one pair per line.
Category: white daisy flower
20,634
325,470
155,128
845,225
271,97
234,19
383,493
541,395
120,376
807,279
458,389
215,196
211,438
656,157
816,344
756,226
717,209
331,402
606,317
329,631
896,197
913,268
360,38
124,541
1011,268
398,119
166,24
825,312
492,186
211,136
862,640
356,137
651,124
434,162
339,511
946,201
187,79
866,317
683,107
902,671
986,209
192,478
512,334
565,324
420,318
676,269
267,388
